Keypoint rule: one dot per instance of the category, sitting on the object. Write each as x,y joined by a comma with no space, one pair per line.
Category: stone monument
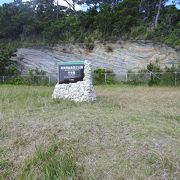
75,82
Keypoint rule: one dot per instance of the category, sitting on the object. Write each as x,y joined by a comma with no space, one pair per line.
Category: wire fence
159,78
26,79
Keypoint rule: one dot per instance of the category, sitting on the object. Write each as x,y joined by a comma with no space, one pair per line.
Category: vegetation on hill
47,21
7,67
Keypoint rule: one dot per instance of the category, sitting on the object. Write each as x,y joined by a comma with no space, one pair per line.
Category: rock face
119,56
79,91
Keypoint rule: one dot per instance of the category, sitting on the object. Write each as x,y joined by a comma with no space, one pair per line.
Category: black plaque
71,72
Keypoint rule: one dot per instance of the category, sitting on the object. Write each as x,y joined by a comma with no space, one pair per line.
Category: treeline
7,67
47,21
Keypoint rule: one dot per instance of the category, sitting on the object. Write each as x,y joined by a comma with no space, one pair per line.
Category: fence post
3,79
49,79
175,78
150,75
126,76
105,77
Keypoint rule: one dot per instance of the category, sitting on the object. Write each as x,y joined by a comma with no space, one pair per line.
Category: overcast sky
62,2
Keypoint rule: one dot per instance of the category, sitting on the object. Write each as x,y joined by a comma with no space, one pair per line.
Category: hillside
120,56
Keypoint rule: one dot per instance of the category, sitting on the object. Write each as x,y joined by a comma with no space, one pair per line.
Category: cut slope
123,57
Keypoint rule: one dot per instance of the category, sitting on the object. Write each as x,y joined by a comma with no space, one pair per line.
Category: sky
62,2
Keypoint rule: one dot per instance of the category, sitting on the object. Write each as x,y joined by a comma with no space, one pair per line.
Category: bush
137,79
37,77
103,76
89,43
109,49
89,46
6,65
34,77
15,80
166,76
138,32
154,75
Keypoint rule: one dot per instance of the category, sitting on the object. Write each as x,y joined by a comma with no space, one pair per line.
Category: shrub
6,65
103,76
34,77
154,67
109,49
167,76
137,79
16,80
37,77
138,32
89,46
155,73
89,43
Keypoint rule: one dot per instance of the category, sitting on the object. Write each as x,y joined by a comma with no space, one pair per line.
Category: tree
104,20
6,68
98,3
47,21
152,9
158,13
126,16
176,2
146,7
72,4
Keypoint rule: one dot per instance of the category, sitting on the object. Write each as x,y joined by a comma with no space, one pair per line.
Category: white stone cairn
81,91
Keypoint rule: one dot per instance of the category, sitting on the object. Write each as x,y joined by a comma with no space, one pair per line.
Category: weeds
50,163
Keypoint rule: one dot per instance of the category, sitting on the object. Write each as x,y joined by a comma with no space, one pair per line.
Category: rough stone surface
79,91
123,57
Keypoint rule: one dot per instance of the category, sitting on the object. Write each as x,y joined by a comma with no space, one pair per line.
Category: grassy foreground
128,133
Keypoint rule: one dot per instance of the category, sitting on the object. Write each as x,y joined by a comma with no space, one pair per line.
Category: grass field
128,133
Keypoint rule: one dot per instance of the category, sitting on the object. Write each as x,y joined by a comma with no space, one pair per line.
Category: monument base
79,92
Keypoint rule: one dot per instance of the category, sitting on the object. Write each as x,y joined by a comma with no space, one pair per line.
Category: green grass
128,133
50,163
